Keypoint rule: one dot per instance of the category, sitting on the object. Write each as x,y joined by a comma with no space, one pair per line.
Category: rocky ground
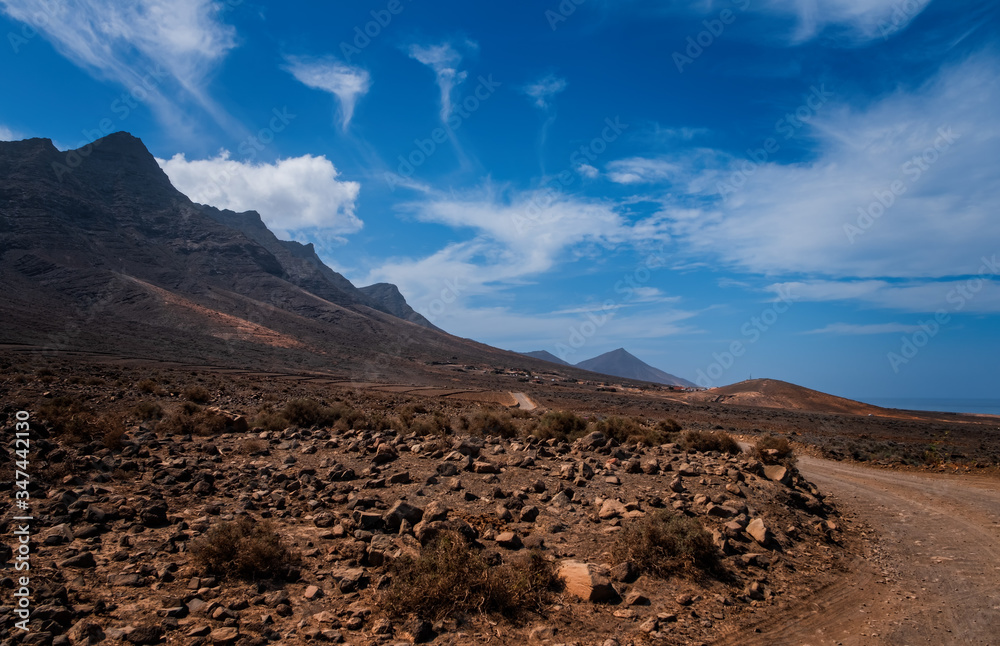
112,562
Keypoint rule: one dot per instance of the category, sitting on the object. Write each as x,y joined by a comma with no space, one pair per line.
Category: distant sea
942,405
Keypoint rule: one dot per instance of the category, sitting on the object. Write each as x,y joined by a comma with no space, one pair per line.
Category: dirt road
524,402
932,575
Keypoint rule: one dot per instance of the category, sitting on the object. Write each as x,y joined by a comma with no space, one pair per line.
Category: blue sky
795,189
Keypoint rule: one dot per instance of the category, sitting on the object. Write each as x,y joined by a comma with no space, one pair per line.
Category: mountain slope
545,355
99,252
386,297
620,363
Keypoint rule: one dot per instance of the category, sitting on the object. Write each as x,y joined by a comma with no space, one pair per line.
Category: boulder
587,581
777,473
759,531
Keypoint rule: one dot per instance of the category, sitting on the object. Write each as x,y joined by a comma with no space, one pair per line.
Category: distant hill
620,363
545,355
772,393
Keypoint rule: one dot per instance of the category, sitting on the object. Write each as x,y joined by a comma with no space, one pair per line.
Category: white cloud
935,146
347,83
588,171
290,194
978,293
516,237
444,60
544,90
874,328
6,134
859,20
640,170
142,45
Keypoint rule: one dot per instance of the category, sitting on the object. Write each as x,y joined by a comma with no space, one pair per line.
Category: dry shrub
436,424
146,411
669,425
252,447
70,419
245,549
191,420
705,441
664,542
451,577
270,421
628,430
114,431
561,425
147,386
496,424
306,412
197,394
772,449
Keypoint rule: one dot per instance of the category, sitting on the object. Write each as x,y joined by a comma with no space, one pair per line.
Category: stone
777,473
399,512
313,592
759,531
687,470
529,514
587,581
509,541
636,599
385,453
482,466
83,560
720,511
611,508
595,439
677,486
324,519
419,630
435,510
223,636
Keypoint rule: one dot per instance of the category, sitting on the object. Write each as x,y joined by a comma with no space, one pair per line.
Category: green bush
663,542
705,441
451,577
561,425
245,549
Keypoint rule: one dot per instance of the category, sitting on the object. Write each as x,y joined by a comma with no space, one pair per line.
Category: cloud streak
178,41
443,59
346,83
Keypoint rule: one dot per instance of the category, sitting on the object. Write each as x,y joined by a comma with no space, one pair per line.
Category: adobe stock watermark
752,331
911,171
588,152
787,126
627,287
29,32
562,12
958,297
713,29
448,296
366,33
424,149
902,13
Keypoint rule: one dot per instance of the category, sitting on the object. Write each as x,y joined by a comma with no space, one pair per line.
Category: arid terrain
137,464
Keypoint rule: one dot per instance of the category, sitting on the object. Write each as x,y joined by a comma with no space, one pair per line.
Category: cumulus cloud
444,60
290,194
902,187
346,83
165,47
545,89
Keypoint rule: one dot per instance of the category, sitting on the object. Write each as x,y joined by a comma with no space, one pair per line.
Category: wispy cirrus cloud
856,21
444,60
544,90
6,134
290,194
168,47
852,329
901,187
345,82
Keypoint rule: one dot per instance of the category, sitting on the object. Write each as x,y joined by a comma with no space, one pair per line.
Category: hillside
772,393
619,363
107,256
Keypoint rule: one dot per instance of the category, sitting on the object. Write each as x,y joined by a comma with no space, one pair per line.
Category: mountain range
619,363
99,252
